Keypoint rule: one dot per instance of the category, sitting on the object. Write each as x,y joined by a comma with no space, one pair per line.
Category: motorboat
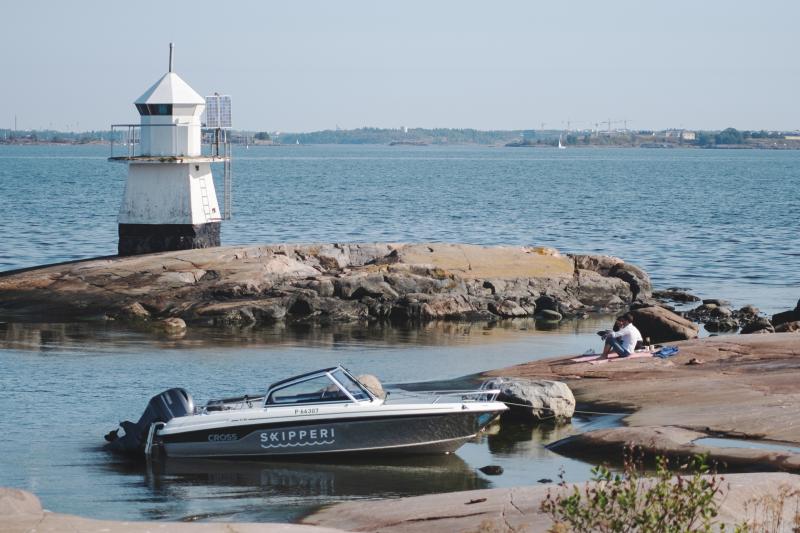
328,411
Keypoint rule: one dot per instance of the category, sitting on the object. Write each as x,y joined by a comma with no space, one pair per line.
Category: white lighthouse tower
170,202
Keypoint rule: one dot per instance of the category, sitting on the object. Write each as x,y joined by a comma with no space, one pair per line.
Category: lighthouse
170,202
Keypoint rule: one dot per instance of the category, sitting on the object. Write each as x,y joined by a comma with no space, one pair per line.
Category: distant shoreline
421,144
729,138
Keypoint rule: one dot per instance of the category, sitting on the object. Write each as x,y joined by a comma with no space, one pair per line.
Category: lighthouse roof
170,89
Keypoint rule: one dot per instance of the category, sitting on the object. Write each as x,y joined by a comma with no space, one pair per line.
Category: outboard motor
161,408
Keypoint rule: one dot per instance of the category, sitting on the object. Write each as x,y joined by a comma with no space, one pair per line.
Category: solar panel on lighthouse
218,111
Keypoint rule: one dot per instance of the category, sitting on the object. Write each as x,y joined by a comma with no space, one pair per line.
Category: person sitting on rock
623,340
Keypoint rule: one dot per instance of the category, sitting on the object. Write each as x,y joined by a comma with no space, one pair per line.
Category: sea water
63,386
722,223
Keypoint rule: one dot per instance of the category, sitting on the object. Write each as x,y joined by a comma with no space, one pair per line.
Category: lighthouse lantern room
170,202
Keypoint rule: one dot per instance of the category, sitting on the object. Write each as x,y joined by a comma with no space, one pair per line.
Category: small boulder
721,312
675,294
548,315
714,312
716,301
491,470
661,325
134,311
787,316
788,327
759,325
722,324
546,302
531,399
749,310
171,326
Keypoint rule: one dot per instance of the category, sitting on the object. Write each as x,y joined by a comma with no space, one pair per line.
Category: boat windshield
318,389
352,386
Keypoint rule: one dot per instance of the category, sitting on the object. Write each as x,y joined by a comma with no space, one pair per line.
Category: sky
308,65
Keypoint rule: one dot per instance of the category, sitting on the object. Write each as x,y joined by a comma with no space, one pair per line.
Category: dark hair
627,317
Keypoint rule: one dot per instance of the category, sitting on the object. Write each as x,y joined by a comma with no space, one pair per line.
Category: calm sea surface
723,223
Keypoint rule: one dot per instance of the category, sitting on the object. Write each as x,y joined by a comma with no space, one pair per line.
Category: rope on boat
528,406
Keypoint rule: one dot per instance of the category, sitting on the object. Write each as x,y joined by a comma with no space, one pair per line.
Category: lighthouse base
135,239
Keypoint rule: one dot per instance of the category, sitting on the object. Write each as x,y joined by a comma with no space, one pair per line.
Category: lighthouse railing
136,141
132,137
130,141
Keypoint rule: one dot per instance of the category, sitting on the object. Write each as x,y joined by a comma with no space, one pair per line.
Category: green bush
665,502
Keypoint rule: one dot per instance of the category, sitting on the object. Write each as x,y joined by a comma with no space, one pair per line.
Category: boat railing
151,432
464,396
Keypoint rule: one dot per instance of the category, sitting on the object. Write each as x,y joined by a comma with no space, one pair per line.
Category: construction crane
570,123
623,121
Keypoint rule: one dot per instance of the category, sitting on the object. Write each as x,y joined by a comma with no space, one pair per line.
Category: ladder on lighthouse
206,202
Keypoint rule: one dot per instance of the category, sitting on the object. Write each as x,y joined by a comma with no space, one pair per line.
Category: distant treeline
417,135
54,136
700,138
734,136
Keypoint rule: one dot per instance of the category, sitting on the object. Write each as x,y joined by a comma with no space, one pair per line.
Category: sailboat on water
560,145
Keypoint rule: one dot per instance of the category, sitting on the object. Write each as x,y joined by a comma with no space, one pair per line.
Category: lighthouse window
154,109
161,109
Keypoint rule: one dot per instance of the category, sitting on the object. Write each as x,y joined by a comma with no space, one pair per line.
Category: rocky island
252,285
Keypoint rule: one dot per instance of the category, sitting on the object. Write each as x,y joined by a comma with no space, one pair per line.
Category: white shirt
628,337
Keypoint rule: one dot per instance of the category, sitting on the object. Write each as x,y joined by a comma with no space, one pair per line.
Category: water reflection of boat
387,477
319,413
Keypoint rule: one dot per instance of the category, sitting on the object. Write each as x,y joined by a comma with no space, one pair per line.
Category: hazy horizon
314,65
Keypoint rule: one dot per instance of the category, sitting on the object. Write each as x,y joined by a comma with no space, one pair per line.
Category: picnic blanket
594,358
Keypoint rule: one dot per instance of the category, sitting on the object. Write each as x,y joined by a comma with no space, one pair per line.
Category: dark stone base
137,239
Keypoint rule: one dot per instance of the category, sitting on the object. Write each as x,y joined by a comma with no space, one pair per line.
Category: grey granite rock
661,325
534,399
253,285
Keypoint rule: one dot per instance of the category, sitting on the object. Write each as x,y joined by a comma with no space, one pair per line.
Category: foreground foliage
665,502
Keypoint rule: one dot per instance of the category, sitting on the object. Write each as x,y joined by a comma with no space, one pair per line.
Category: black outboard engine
161,408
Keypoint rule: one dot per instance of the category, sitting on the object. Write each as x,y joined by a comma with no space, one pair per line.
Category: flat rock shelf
251,285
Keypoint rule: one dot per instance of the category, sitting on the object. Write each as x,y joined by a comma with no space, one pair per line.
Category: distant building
792,137
684,135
